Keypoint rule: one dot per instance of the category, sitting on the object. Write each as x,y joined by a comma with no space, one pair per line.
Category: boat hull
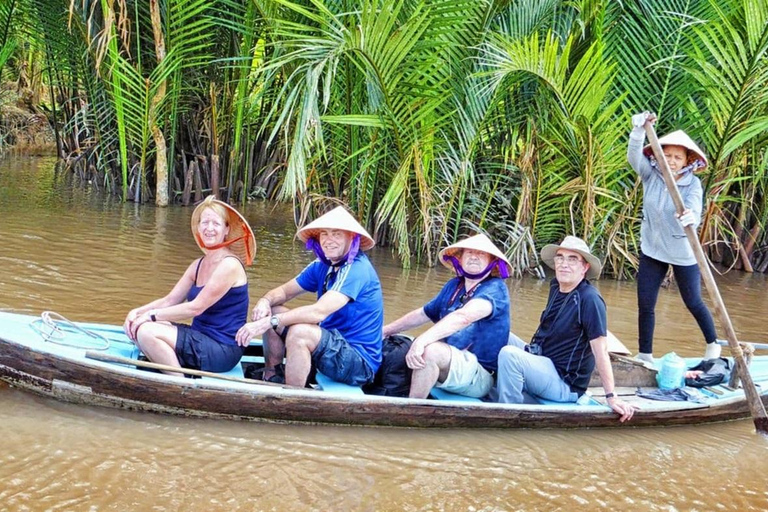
71,378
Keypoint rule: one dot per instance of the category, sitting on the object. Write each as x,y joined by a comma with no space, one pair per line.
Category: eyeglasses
572,260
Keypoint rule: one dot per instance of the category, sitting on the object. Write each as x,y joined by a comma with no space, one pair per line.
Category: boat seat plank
439,394
331,386
129,351
544,401
237,371
662,405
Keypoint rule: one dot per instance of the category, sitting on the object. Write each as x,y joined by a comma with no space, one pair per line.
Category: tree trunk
749,245
763,264
198,181
161,152
189,174
215,176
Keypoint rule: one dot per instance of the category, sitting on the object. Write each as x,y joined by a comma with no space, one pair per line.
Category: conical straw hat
245,245
478,243
679,138
338,218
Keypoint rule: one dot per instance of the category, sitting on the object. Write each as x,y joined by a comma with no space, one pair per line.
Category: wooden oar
757,346
109,358
753,397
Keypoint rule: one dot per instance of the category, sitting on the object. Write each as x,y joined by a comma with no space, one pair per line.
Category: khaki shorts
466,376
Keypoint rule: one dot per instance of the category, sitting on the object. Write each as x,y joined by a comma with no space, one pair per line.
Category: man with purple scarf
340,334
459,352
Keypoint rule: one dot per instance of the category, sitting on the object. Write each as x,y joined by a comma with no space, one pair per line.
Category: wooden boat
64,368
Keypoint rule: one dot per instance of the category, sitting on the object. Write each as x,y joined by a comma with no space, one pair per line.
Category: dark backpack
394,376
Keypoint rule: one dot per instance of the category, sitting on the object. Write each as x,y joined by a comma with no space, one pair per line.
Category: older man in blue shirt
471,322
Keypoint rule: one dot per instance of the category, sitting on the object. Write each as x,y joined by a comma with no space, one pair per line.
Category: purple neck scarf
314,246
502,266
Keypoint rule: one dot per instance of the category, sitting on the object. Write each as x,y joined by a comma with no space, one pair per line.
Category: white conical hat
575,244
338,218
679,138
477,243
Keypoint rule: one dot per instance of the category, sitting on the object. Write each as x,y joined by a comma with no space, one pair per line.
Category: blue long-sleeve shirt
661,236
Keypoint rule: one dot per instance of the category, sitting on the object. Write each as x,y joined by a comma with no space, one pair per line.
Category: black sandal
277,378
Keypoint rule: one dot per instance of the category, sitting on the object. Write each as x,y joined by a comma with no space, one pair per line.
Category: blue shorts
198,351
335,358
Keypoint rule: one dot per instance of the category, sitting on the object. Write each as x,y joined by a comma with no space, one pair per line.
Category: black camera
533,348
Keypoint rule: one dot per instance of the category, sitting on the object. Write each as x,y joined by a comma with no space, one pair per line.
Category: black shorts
198,351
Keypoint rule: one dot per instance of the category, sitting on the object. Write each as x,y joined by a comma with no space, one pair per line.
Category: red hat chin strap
227,243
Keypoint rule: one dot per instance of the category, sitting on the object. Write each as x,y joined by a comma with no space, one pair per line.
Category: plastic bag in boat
715,371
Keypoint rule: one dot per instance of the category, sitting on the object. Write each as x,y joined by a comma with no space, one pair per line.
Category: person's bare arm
474,310
603,363
410,320
276,297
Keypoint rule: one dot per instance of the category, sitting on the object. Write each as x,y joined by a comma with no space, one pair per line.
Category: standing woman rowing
662,233
213,292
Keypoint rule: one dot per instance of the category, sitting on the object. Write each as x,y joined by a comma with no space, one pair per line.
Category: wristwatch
274,322
609,395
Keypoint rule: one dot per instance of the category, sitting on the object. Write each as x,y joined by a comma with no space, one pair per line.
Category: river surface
92,258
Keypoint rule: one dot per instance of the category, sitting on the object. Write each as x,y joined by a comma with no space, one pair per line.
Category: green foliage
729,65
429,119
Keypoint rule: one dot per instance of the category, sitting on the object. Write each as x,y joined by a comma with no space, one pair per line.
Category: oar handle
753,397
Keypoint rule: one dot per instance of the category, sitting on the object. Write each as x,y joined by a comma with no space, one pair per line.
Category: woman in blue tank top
213,292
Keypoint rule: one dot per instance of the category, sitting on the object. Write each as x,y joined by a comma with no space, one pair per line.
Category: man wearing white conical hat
471,322
340,334
571,340
663,241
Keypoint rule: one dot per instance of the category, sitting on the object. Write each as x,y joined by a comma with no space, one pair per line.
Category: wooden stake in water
756,407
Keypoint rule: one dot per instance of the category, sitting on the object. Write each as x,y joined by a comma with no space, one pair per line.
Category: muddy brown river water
92,258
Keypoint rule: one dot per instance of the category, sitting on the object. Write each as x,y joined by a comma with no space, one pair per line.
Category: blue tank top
222,319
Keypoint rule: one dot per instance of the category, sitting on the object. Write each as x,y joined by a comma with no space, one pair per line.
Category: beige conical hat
338,218
575,244
478,243
244,244
679,138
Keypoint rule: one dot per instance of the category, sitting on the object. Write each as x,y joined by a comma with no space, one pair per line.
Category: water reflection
90,257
